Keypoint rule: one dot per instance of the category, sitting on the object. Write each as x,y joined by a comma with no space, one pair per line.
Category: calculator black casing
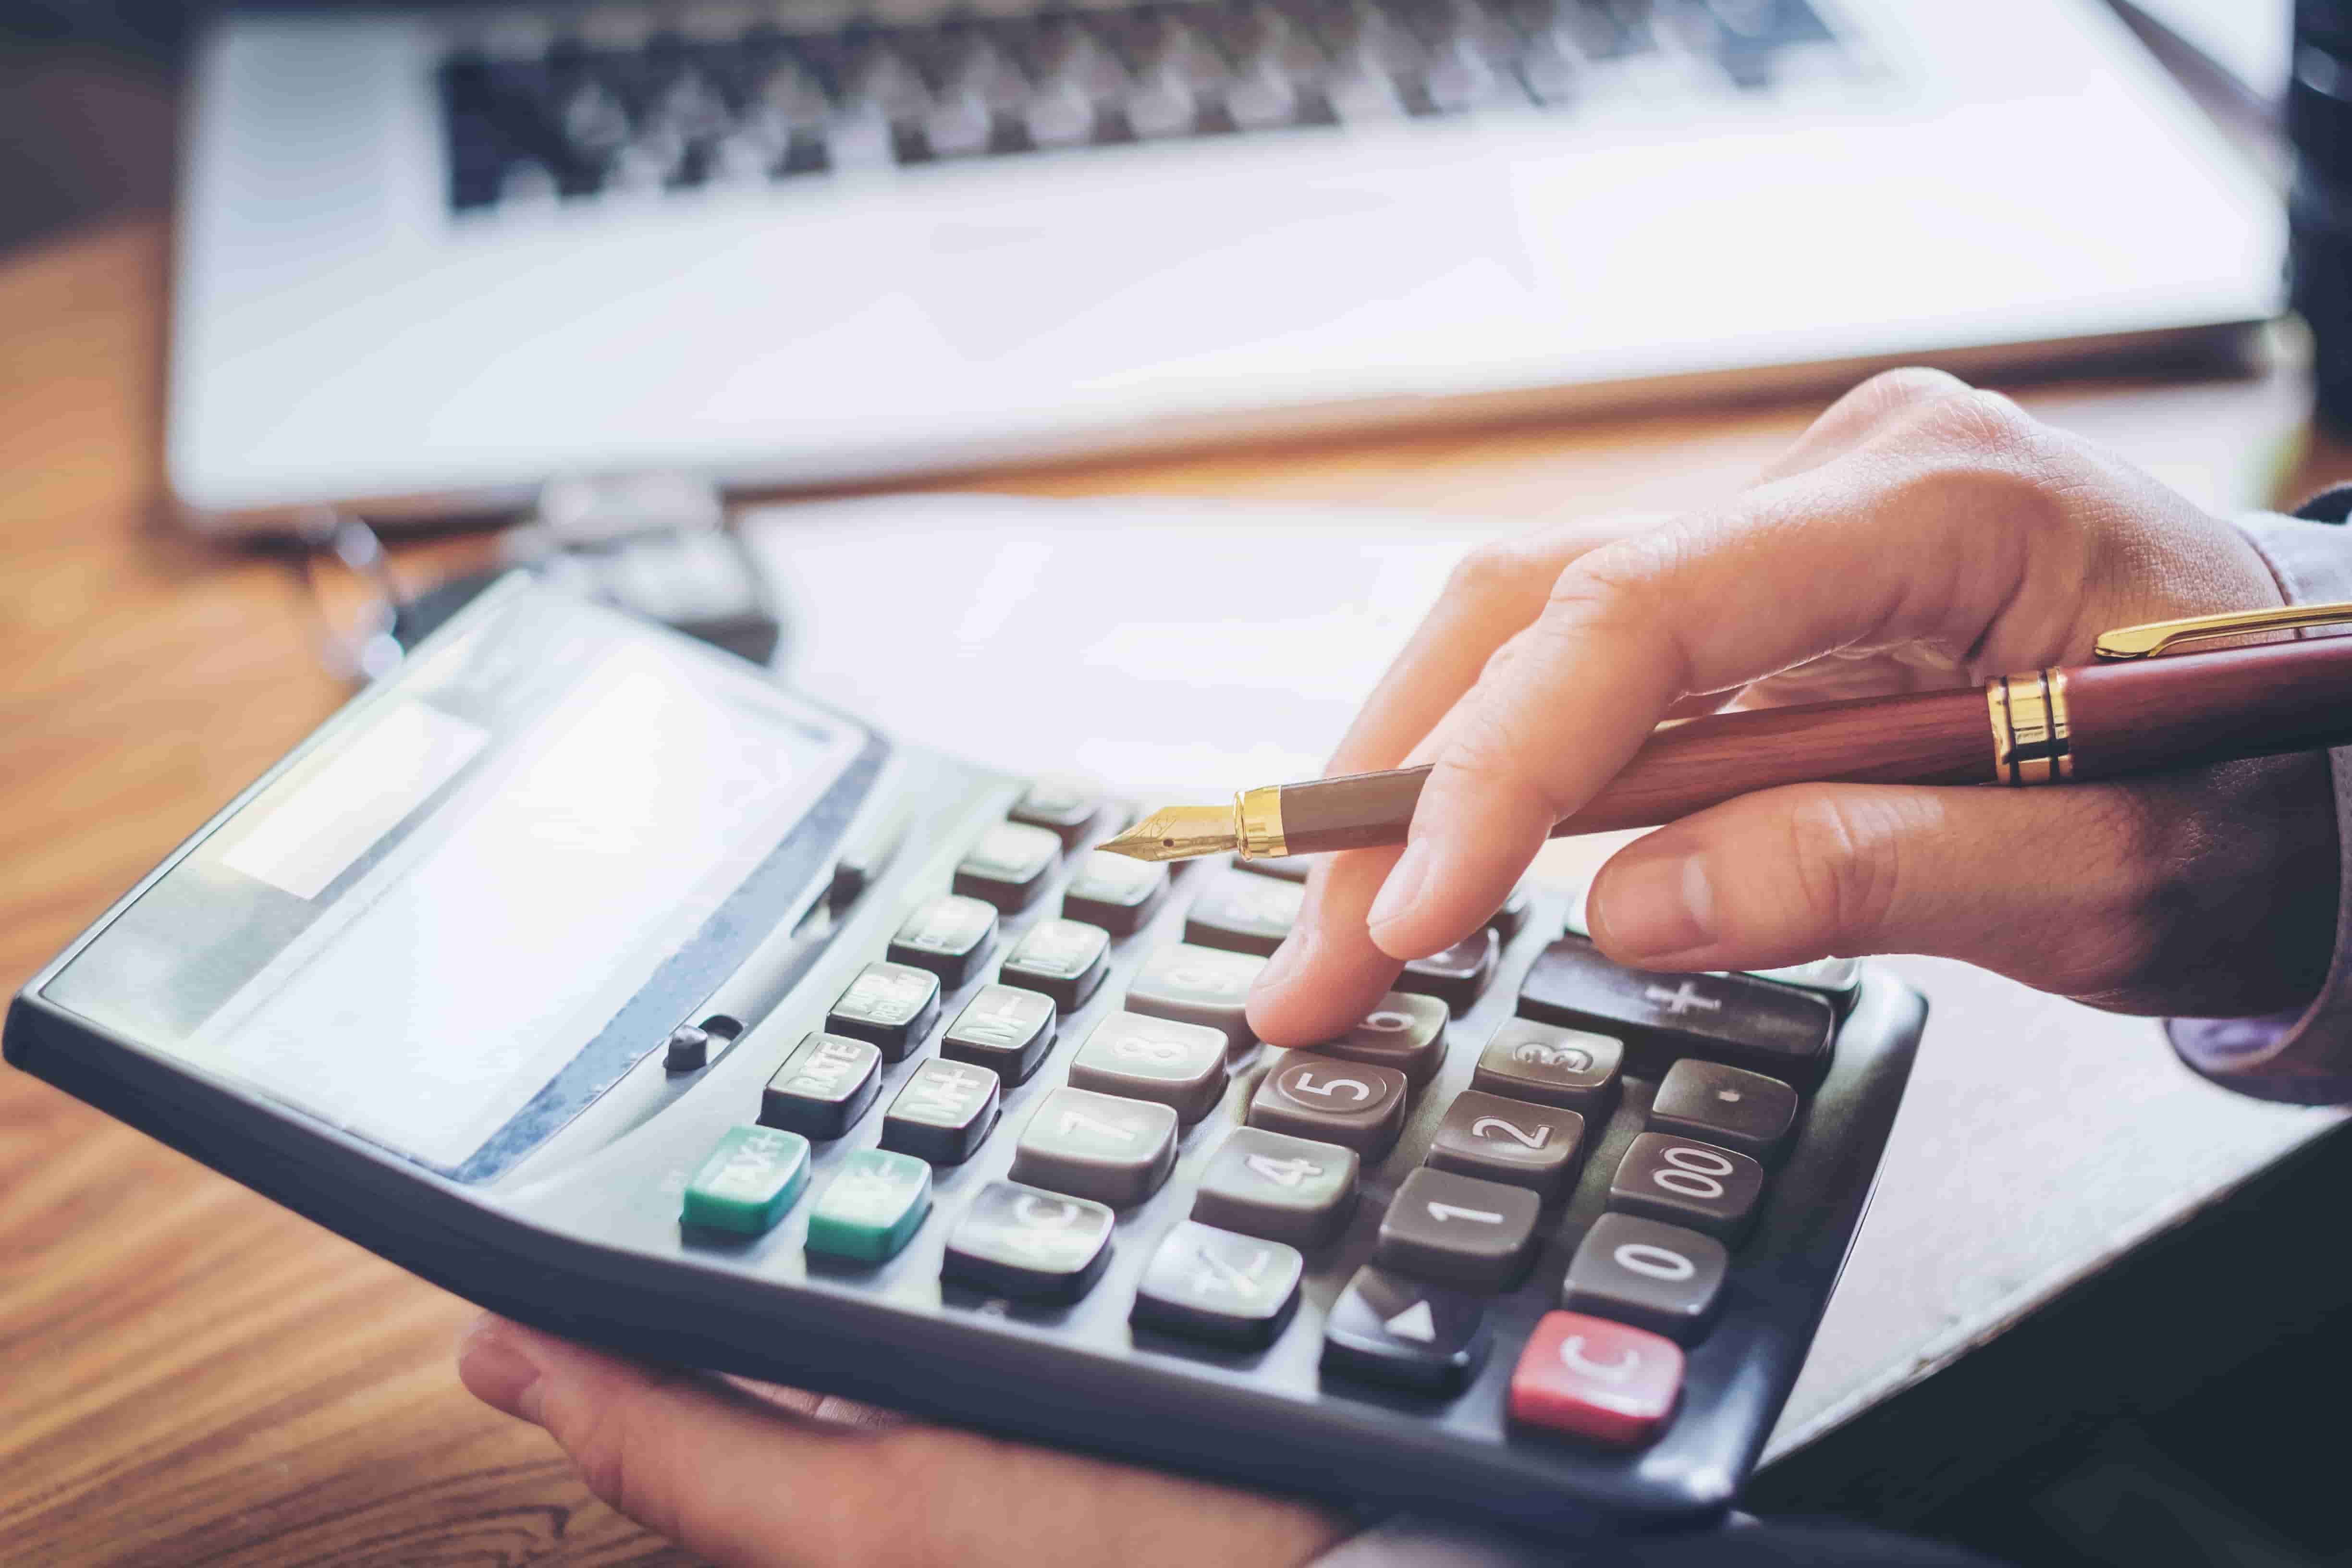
583,1239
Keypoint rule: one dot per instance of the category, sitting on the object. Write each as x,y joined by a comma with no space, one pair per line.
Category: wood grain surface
192,1376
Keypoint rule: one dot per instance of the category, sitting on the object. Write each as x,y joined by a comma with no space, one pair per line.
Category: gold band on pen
2031,737
1258,813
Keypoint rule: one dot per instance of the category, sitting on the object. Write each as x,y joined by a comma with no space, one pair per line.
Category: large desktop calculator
588,973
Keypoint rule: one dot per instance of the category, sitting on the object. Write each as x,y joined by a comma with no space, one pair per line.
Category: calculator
590,974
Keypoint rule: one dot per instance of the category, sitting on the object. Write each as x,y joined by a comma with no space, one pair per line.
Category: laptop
429,259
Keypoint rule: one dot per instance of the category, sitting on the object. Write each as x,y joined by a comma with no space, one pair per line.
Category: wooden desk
194,1376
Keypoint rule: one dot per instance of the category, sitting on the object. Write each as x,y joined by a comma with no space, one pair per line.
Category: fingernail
1399,893
1653,908
497,1372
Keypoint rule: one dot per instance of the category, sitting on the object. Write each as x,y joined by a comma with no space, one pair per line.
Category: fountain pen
2138,708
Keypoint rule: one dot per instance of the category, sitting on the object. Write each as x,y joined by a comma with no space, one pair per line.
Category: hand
748,1474
1920,534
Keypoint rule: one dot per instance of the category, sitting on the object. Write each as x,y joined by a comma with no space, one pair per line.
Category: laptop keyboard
574,115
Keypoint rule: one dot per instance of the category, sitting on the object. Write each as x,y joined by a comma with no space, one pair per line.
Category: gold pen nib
1178,833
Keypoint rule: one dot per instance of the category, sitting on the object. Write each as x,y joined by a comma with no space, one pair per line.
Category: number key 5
1351,1104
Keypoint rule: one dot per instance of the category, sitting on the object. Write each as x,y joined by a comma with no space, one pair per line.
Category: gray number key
1063,959
1537,1147
1657,1276
1017,1241
1180,1065
1283,1188
948,936
1348,1103
1098,1146
1065,808
1009,866
1199,985
1215,1284
1472,1234
943,1112
1683,1182
1405,1031
892,1004
1457,976
1243,914
1719,1104
1002,1028
1115,892
1551,1066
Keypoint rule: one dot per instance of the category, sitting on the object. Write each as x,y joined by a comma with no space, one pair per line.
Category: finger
1897,543
727,1475
1861,413
1327,975
2053,888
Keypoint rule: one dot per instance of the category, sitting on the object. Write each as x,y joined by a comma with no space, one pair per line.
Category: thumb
2052,888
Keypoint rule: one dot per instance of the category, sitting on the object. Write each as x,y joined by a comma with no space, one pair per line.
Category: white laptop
429,259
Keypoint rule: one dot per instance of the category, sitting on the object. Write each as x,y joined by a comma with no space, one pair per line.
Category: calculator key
1180,1066
687,1049
1538,1147
1009,866
1064,807
749,1181
1115,892
1216,1285
1652,1275
1405,1031
1457,976
1723,1017
1837,979
1512,917
1332,1101
1017,1241
1719,1104
1004,1028
1282,1188
1593,1379
1098,1146
1475,1235
1579,914
1681,1181
943,1113
1063,959
1288,867
1406,1331
1199,985
873,1208
823,1087
948,936
1243,914
892,1004
1572,1069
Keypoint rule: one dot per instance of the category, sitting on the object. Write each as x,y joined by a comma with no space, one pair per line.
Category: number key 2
1347,1103
1538,1147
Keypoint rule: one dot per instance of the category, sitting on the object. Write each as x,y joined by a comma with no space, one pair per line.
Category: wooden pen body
2146,716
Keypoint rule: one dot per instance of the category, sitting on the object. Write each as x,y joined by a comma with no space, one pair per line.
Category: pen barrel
2189,709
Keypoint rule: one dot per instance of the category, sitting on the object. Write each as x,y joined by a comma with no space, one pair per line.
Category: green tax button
873,1207
749,1182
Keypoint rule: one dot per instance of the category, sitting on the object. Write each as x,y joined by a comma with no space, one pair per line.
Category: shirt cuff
2305,1057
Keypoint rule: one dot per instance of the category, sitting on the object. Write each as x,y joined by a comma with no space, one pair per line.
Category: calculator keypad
1717,1066
1098,1146
1216,1285
1322,1098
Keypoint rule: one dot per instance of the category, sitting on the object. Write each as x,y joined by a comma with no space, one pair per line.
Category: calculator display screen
542,837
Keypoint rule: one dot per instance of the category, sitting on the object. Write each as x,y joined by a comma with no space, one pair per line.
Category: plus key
1731,1018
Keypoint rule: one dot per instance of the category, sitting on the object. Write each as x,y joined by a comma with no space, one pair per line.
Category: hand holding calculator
584,971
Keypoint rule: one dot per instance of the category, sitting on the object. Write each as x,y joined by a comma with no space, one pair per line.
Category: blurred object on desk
474,252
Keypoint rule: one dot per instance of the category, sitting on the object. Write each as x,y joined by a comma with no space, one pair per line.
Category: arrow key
1392,1329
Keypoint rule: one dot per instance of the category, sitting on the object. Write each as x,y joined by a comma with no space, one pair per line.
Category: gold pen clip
2170,637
